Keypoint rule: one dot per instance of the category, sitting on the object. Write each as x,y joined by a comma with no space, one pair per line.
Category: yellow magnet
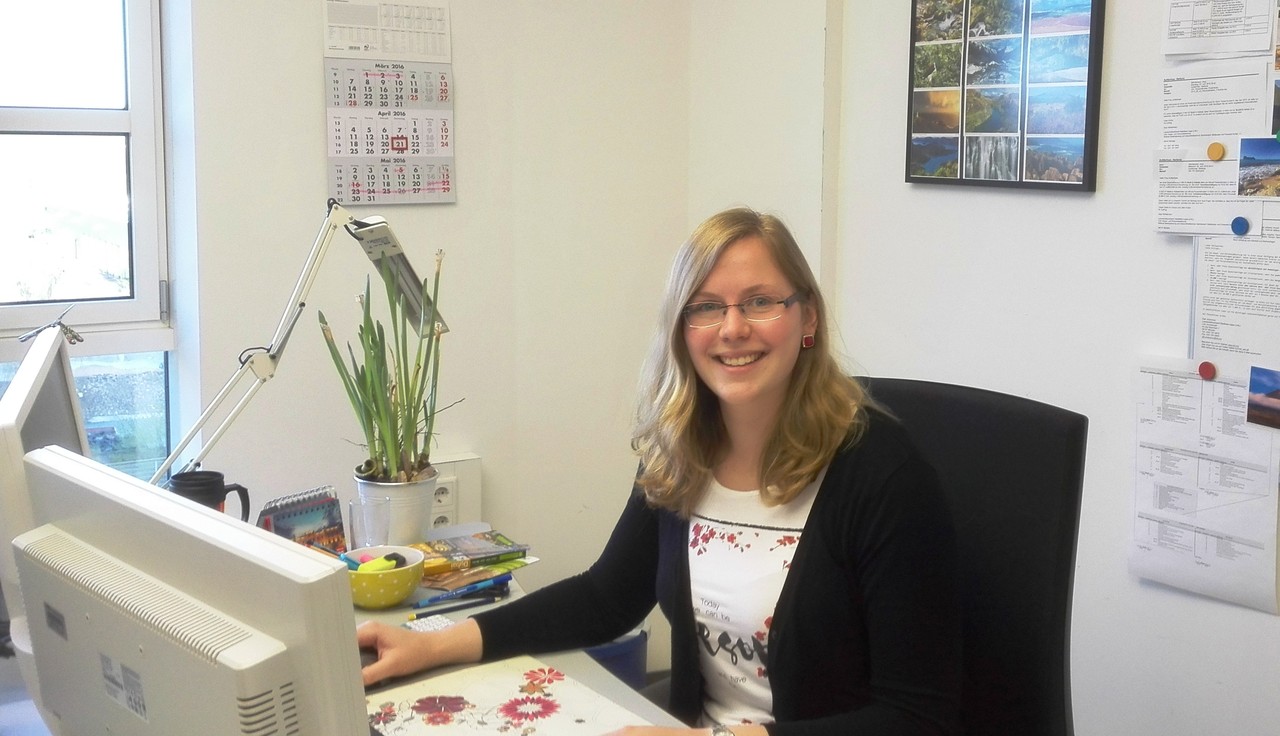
1217,151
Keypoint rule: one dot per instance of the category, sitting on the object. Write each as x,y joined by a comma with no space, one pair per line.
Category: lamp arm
263,363
199,424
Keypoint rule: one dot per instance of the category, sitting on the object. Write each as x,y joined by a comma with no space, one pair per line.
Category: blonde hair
680,433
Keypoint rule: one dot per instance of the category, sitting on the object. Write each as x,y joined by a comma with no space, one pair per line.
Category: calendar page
390,103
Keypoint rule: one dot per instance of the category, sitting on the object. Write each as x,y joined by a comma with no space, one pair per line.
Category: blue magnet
1240,226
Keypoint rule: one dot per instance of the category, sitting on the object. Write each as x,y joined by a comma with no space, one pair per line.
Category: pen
350,563
464,590
327,550
459,606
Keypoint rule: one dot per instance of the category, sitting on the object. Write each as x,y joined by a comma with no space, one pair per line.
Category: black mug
206,487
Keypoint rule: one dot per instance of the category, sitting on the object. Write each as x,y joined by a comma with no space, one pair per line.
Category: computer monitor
151,614
39,408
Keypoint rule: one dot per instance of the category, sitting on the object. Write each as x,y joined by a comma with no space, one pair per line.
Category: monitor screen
151,614
39,408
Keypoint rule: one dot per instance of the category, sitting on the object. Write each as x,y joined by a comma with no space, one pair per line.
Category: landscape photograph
1054,159
1060,16
936,65
994,61
934,156
995,18
992,110
935,111
991,157
1058,59
939,20
1259,167
1264,397
1056,109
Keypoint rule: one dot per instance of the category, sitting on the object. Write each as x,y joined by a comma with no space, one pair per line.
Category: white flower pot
411,505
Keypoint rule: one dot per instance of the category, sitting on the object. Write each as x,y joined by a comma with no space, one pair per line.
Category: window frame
140,323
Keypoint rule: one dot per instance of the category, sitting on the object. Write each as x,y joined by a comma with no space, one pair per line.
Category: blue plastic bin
626,657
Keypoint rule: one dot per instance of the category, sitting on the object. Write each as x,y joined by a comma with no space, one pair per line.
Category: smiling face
746,364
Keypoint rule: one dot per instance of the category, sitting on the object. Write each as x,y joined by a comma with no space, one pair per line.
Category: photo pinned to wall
1259,168
1264,397
1005,93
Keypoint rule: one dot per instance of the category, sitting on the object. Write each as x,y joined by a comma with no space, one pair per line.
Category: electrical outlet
445,490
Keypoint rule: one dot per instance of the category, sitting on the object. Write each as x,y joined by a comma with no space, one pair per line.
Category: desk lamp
386,254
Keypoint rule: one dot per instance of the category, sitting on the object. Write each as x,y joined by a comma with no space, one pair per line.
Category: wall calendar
390,103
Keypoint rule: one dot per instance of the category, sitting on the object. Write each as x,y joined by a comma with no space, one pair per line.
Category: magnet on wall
1207,371
1240,226
1216,151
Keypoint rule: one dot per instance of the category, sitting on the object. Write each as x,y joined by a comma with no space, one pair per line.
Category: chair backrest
1013,471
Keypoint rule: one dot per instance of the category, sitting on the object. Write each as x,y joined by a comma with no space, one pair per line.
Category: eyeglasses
755,309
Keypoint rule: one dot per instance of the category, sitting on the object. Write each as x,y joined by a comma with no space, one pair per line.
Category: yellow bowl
386,588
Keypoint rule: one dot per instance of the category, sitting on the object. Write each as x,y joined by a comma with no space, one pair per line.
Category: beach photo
934,156
1259,167
992,110
1056,109
1055,159
1060,16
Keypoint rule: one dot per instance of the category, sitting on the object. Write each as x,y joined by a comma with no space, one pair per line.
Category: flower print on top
739,553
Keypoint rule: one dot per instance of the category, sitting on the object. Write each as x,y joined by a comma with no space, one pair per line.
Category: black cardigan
866,635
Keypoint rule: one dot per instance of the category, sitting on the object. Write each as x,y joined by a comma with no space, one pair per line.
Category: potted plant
391,383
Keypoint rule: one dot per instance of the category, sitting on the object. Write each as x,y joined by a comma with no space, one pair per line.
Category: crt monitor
39,408
151,614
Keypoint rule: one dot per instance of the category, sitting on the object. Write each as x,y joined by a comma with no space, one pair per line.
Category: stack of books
467,551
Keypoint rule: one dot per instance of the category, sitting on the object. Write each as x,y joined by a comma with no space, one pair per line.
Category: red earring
807,341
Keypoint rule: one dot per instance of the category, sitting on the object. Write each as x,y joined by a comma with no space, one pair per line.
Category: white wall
572,147
590,138
1052,296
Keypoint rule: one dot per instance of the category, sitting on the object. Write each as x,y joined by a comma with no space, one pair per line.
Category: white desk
576,663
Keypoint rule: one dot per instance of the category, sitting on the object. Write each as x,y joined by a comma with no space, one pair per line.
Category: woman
797,543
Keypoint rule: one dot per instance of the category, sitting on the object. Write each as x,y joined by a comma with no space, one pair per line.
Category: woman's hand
403,652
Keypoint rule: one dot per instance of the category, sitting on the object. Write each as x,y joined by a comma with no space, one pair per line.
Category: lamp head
383,248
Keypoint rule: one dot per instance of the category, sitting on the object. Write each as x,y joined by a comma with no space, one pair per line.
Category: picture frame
1004,93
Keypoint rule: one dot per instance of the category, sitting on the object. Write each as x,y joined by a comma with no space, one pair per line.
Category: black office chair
1012,469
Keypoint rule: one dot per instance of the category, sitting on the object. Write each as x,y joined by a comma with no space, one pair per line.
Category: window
82,221
80,140
125,407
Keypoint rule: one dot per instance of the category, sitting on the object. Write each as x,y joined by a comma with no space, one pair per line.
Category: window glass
125,405
63,53
71,240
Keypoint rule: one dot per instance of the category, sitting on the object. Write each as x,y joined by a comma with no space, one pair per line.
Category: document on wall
1206,106
1205,486
390,101
1218,26
1198,193
407,30
1236,302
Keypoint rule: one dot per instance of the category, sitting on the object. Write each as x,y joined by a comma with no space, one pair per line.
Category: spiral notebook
313,516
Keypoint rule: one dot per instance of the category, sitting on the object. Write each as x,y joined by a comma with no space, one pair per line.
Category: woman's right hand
402,651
